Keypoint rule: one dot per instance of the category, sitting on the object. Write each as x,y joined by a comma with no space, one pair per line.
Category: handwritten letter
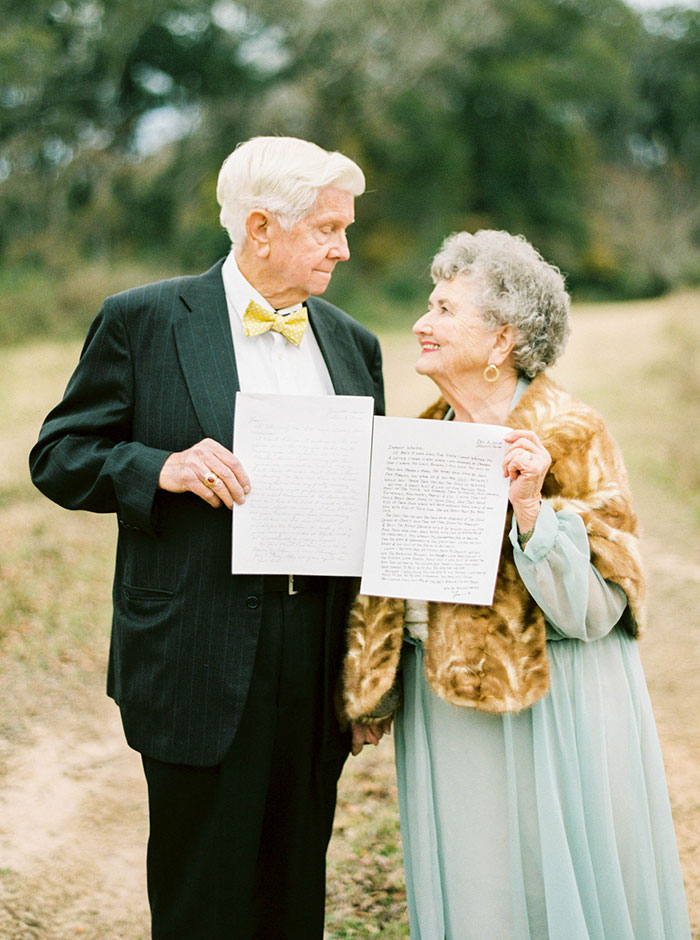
308,462
437,509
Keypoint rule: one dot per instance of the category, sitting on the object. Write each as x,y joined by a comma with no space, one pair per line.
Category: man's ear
257,227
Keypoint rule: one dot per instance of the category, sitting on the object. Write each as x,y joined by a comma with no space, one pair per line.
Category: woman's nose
422,325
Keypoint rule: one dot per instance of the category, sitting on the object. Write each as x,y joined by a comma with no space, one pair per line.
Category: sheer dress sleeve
556,569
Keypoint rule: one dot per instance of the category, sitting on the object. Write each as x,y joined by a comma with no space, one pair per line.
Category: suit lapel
336,349
205,349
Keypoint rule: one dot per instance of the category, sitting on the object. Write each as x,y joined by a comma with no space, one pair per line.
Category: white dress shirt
269,363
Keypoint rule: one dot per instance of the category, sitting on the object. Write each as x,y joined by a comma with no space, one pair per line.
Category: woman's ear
257,227
503,343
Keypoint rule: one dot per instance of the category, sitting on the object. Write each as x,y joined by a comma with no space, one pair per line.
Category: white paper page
437,507
308,462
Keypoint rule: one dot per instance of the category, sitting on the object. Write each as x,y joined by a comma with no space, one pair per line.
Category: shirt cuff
542,540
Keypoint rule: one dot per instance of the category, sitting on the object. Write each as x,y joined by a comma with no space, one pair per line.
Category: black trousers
237,851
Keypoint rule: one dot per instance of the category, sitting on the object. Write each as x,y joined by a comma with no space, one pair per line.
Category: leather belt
292,583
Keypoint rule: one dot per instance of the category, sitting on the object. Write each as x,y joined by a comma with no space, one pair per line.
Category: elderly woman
531,786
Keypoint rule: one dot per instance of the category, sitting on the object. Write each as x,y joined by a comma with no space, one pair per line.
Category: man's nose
340,250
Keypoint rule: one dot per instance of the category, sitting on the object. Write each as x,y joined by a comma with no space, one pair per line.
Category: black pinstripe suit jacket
157,374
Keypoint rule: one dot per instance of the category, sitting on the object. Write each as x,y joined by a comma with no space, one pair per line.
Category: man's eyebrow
332,217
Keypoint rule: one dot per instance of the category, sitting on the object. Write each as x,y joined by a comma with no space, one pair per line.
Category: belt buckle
290,585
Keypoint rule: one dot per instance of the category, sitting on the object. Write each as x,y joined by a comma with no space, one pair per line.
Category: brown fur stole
494,658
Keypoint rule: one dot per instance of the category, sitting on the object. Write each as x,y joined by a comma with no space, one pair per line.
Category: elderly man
225,682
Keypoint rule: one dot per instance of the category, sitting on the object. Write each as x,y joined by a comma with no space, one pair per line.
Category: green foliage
669,72
574,122
61,300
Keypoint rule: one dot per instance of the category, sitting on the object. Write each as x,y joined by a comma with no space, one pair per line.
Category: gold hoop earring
492,373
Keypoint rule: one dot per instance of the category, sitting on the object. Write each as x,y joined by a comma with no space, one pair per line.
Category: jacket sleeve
85,457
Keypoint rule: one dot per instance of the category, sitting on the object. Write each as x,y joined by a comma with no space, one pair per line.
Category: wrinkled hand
526,462
185,472
369,734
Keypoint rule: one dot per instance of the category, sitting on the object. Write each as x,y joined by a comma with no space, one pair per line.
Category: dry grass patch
366,894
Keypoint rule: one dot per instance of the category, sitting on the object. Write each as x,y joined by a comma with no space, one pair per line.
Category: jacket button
252,602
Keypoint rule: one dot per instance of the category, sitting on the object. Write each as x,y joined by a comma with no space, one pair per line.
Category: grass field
639,363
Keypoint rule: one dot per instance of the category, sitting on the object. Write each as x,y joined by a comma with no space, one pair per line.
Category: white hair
283,175
517,287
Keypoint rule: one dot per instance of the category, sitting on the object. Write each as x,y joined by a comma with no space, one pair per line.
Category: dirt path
72,805
72,835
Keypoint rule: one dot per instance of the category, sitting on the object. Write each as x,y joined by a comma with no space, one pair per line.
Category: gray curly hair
518,288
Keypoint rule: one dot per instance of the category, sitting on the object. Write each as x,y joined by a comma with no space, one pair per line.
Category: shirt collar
239,291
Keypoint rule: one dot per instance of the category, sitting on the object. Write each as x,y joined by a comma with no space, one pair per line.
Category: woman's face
455,343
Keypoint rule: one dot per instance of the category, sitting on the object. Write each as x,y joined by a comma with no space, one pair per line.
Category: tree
543,117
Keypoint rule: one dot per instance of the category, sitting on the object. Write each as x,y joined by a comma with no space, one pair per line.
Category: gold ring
211,479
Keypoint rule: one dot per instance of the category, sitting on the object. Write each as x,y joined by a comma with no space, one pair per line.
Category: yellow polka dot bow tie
258,319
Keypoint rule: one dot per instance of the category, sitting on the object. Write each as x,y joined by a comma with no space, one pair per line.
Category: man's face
303,259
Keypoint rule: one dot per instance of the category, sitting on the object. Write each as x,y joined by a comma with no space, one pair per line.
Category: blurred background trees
574,122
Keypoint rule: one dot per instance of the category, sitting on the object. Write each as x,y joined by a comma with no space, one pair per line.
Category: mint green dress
554,823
